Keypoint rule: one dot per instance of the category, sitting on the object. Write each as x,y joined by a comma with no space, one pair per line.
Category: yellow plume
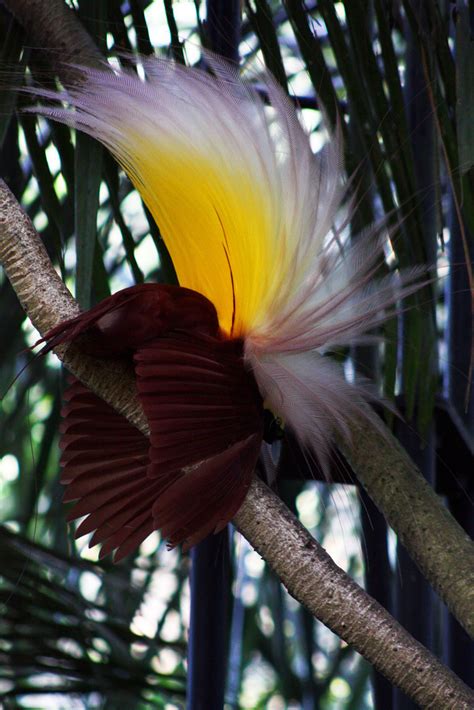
240,200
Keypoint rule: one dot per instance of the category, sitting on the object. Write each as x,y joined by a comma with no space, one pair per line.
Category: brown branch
54,29
301,563
311,577
436,542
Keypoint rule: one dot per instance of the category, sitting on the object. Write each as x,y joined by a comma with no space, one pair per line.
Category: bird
270,284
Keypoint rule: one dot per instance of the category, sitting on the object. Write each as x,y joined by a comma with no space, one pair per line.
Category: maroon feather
205,416
209,437
214,491
95,475
222,405
131,317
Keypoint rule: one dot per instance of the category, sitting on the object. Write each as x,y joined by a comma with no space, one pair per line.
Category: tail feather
339,306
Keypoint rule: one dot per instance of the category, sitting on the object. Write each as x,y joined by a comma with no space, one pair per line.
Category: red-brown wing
131,317
105,461
205,417
206,421
203,500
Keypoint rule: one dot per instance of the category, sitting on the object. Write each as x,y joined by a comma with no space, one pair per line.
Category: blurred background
398,78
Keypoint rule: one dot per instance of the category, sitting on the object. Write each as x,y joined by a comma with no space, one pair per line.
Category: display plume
268,284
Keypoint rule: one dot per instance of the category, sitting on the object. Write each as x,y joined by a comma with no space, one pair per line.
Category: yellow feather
216,225
242,204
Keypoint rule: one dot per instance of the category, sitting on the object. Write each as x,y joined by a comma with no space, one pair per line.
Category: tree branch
436,542
54,29
311,577
301,563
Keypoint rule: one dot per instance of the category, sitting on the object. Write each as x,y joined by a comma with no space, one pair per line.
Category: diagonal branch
439,546
304,567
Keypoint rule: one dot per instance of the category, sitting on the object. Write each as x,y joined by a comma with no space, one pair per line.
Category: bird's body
267,286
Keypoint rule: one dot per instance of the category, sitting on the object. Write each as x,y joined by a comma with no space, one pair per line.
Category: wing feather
191,476
101,464
187,428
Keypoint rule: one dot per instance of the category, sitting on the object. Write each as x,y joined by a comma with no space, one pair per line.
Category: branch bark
436,542
54,29
311,577
301,563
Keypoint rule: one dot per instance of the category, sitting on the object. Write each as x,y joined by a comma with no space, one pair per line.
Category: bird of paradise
248,214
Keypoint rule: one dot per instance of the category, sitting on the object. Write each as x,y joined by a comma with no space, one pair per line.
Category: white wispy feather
231,183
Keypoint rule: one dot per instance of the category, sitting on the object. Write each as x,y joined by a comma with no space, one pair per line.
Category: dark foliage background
398,78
